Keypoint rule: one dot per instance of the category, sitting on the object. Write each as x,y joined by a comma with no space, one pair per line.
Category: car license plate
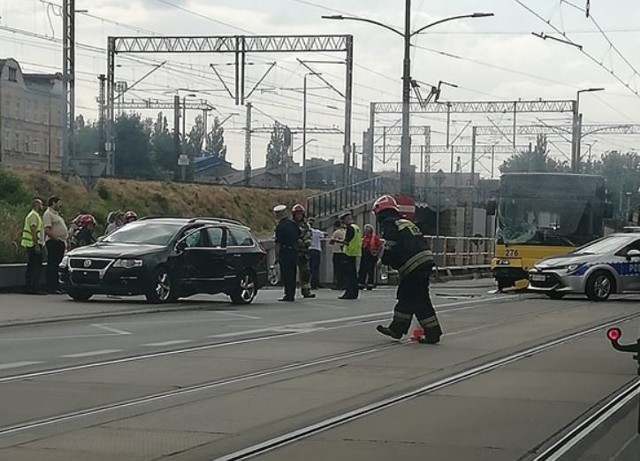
538,278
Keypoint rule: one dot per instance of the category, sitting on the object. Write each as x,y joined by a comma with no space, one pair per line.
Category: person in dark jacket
406,251
287,234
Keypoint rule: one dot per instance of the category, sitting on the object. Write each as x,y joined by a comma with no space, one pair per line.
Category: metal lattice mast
247,146
101,120
68,82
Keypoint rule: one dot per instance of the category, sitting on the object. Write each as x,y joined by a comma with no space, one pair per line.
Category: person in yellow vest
33,242
352,250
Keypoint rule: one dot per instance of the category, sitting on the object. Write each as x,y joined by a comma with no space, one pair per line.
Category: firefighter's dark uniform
304,270
406,251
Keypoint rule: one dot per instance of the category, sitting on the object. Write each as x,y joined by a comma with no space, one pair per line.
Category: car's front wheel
599,286
79,295
161,287
245,290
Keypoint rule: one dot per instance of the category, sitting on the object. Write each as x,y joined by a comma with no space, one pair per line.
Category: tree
196,138
86,137
215,146
536,160
133,147
163,146
622,176
277,148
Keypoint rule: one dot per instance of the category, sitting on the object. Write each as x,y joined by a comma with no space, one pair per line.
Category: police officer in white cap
287,234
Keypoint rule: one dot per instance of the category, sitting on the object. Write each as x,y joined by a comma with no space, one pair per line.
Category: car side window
194,240
635,245
240,237
216,235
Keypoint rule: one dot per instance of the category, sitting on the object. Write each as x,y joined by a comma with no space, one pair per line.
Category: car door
629,270
201,264
239,254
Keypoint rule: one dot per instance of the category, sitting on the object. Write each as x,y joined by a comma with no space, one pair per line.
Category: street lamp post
577,130
406,177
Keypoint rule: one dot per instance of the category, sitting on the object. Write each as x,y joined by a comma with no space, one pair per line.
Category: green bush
11,190
103,192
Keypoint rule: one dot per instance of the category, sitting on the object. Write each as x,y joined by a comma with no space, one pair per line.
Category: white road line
242,316
6,366
169,343
91,353
110,329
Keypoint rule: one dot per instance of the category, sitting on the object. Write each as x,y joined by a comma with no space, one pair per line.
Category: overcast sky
489,59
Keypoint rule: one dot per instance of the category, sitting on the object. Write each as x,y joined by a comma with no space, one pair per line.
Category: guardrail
344,198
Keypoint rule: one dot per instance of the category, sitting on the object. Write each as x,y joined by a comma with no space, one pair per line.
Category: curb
97,315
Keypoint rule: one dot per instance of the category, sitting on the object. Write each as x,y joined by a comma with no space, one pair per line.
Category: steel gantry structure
466,107
239,46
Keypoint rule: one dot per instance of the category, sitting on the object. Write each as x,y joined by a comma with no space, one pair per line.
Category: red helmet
297,208
386,202
86,220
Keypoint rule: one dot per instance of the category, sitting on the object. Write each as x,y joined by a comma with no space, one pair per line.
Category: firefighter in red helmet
304,242
406,251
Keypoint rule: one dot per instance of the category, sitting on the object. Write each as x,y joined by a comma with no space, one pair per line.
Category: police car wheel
78,295
599,286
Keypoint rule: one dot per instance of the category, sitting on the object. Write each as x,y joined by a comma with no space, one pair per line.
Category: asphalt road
213,380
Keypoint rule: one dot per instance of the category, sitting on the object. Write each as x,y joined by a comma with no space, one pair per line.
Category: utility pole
247,147
176,134
348,108
304,132
474,133
406,177
101,121
68,82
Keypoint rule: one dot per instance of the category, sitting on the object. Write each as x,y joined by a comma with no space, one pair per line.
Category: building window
34,146
13,74
16,142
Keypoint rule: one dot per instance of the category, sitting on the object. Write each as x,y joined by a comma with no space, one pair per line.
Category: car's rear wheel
161,287
555,295
599,286
80,295
245,290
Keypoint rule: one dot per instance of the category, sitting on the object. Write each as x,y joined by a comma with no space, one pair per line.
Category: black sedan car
169,258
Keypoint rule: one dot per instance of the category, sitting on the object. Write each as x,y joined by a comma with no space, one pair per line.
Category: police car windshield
145,233
605,245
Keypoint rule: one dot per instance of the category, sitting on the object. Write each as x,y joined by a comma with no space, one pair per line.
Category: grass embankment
248,205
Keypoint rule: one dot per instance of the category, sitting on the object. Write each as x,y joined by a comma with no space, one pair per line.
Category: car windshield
605,245
145,233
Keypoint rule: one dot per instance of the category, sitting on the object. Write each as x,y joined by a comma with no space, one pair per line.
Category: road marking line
242,316
5,366
91,353
169,343
110,329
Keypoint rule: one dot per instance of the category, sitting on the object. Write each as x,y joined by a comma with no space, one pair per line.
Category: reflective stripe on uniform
415,261
429,322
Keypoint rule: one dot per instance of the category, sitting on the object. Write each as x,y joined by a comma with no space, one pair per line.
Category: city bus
544,214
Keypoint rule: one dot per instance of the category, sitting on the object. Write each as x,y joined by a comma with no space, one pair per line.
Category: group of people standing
402,248
47,235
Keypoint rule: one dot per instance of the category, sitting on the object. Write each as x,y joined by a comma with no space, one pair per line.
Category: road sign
89,169
183,160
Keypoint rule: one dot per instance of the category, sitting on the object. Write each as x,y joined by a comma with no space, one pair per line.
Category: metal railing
461,251
344,198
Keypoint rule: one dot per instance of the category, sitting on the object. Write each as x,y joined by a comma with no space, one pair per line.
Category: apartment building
31,108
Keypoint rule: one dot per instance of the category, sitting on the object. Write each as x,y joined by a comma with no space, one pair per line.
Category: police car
599,269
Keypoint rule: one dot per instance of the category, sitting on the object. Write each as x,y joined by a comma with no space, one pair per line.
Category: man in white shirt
56,233
315,252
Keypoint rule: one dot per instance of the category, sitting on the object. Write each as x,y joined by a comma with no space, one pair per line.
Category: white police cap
279,208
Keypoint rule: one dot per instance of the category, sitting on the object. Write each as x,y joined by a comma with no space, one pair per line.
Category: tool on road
614,335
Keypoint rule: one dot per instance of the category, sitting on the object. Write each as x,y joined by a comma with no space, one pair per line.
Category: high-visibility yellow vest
27,239
354,247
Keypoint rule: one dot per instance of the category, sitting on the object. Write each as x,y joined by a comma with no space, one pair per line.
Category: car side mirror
633,254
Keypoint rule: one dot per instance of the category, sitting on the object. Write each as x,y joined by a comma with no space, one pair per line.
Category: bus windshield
550,209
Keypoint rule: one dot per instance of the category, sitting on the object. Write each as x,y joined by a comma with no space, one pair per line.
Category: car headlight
128,263
64,263
573,267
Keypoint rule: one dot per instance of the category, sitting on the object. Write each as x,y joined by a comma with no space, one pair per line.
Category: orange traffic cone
417,334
